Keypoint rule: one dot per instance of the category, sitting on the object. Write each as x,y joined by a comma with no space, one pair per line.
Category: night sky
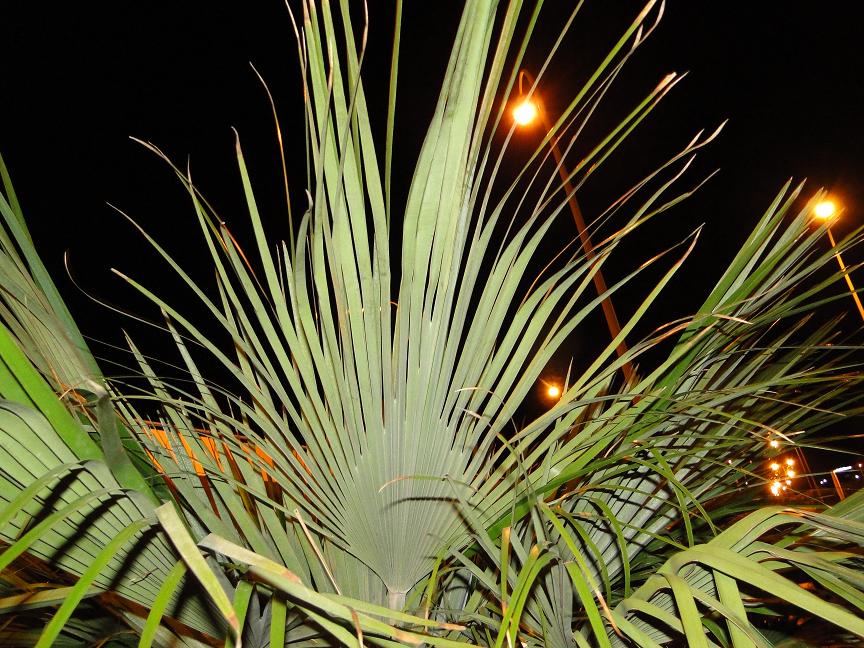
79,78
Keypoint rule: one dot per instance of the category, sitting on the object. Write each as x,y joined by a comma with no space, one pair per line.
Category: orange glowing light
525,113
825,209
774,443
553,391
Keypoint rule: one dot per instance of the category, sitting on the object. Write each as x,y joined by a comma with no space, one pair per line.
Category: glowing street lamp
781,476
825,211
524,113
550,391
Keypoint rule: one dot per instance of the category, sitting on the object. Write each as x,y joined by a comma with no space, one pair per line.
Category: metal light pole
824,211
525,113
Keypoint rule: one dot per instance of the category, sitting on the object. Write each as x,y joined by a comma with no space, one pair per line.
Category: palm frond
362,479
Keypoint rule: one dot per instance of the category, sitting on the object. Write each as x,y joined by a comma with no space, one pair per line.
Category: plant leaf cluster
363,480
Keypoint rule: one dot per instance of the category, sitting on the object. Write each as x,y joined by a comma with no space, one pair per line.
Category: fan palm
363,480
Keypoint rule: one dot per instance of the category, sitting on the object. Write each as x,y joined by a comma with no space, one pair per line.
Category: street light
550,391
837,487
825,211
525,113
774,444
781,476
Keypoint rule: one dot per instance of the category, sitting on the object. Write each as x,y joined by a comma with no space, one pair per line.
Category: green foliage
363,481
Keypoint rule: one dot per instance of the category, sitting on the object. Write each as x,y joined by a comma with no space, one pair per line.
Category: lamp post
525,113
825,211
837,487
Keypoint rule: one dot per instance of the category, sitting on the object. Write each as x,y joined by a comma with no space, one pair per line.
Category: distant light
843,469
857,476
774,443
553,391
775,489
825,209
775,467
790,462
525,113
790,473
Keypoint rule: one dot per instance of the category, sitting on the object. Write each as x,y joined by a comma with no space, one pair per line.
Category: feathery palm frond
362,480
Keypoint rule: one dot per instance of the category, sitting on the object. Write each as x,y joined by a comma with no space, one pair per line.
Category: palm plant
363,481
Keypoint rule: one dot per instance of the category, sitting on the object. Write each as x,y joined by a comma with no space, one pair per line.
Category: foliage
363,481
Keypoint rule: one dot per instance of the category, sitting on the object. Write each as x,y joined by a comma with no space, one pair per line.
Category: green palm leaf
362,480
